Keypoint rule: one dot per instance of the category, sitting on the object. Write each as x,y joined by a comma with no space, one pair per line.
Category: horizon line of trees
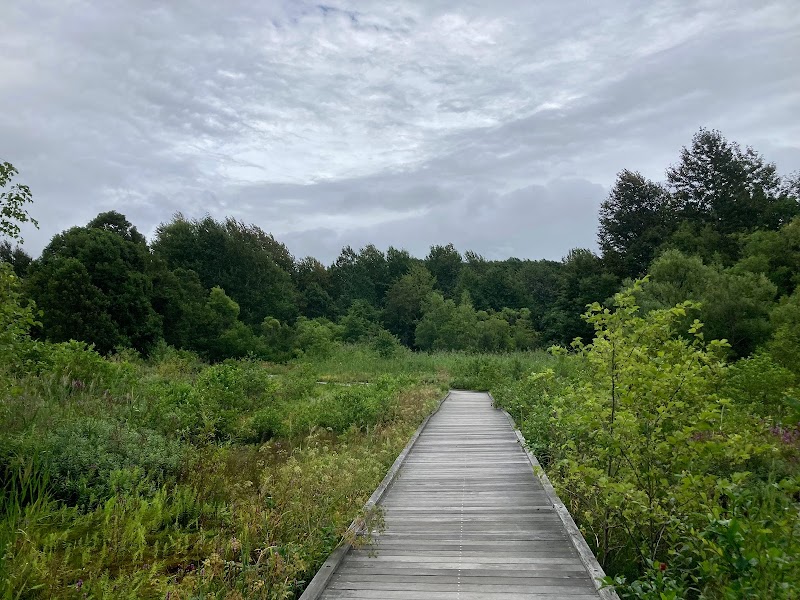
723,229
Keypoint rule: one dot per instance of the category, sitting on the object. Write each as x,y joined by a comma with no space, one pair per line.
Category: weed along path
466,518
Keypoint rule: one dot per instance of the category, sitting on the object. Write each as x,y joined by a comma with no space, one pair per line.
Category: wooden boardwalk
466,518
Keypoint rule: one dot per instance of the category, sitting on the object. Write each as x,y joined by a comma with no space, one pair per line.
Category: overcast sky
498,126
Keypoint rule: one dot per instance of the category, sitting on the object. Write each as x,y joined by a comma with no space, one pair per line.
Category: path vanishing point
469,515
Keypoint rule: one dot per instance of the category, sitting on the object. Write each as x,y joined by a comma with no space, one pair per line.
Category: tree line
722,229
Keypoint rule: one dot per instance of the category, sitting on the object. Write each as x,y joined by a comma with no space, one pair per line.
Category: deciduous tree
92,284
404,302
13,201
635,220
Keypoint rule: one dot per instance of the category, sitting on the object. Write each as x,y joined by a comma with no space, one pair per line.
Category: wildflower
79,584
236,545
663,567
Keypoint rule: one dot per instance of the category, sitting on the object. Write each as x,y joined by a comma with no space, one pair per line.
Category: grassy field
172,478
132,479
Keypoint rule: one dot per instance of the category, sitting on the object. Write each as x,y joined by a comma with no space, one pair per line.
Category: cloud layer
498,126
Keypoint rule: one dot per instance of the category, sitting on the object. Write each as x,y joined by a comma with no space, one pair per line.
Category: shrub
173,407
315,338
386,344
92,459
630,436
265,424
761,386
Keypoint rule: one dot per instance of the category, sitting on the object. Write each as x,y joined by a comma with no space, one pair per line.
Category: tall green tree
583,281
404,302
775,254
16,257
446,325
493,333
93,285
116,223
180,299
734,190
220,333
362,275
445,263
539,282
398,263
733,305
491,284
313,284
635,220
361,323
523,331
242,259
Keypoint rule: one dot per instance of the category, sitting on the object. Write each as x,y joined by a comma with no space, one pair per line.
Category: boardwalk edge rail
328,568
587,557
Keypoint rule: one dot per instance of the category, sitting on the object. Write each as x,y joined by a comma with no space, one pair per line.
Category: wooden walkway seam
469,515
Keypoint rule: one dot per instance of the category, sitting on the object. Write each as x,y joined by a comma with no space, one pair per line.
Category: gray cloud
496,126
542,221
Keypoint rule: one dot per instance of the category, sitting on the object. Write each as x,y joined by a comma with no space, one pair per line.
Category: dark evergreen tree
313,284
540,282
362,275
583,281
398,263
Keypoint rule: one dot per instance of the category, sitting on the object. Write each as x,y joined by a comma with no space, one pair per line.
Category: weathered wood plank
465,518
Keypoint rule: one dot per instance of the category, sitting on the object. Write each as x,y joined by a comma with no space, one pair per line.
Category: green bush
264,425
741,541
784,347
77,367
17,317
488,371
173,362
173,408
530,402
386,344
90,460
315,338
762,387
630,435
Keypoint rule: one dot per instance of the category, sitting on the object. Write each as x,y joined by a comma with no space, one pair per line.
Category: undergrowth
680,469
125,478
172,478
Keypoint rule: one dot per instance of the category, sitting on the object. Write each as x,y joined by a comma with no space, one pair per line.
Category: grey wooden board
465,518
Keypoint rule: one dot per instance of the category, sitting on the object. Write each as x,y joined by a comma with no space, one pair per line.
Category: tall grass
359,363
131,479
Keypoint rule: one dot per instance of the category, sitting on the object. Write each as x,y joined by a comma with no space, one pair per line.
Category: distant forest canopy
722,229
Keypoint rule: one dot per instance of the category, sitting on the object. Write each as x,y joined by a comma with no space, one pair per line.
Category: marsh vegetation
165,434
